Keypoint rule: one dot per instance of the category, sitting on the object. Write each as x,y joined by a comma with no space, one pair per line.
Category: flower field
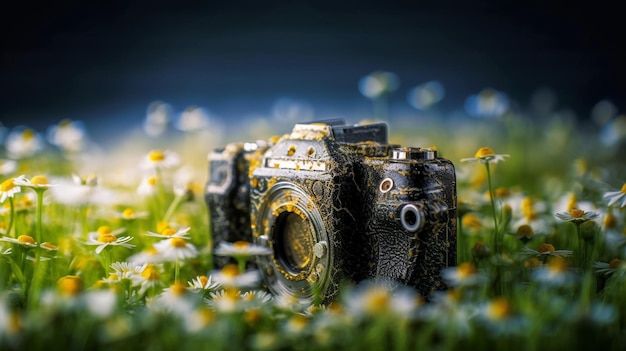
111,248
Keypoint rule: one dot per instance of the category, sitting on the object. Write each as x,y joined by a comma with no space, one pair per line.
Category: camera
335,203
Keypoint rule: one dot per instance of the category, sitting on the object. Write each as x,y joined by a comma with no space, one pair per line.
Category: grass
526,279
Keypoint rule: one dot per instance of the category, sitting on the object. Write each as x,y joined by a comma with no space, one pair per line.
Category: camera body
337,202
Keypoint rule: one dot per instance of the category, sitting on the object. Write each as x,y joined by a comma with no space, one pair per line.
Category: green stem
496,240
39,269
172,207
176,271
12,215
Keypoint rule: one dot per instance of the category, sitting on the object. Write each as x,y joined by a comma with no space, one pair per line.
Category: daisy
149,255
168,233
610,267
88,180
176,248
127,270
227,300
545,250
465,274
192,119
70,285
577,216
149,279
130,214
109,239
230,276
158,159
241,249
38,182
7,166
176,300
525,233
202,283
10,187
499,317
556,273
373,299
24,240
23,142
485,155
68,135
148,186
616,197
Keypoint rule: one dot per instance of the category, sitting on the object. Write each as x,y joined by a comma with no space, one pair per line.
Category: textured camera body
336,202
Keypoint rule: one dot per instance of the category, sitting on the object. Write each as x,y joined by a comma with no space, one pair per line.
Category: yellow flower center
161,226
7,185
557,264
203,280
524,230
614,263
168,231
156,156
573,202
128,213
104,229
114,277
230,270
466,269
470,220
623,189
499,308
377,300
178,289
178,242
252,316
241,245
26,239
150,273
49,246
545,247
576,213
39,180
28,134
70,285
502,192
484,152
152,181
106,238
610,221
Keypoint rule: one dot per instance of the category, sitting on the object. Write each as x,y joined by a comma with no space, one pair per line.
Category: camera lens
293,241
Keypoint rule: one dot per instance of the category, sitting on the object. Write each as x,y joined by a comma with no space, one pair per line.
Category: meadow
111,248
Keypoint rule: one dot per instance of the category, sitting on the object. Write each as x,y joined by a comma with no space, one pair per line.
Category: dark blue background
103,61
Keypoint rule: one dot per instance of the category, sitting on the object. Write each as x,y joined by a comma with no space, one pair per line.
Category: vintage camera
335,203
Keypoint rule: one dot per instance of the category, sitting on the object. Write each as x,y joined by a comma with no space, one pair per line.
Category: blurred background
106,63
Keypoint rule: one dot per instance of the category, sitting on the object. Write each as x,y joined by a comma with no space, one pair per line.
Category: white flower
464,274
616,197
577,216
24,240
23,142
227,301
9,188
229,276
545,249
106,239
192,119
130,214
241,249
158,159
177,300
374,299
149,255
168,233
201,283
127,270
485,155
176,248
7,166
148,186
36,182
70,136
